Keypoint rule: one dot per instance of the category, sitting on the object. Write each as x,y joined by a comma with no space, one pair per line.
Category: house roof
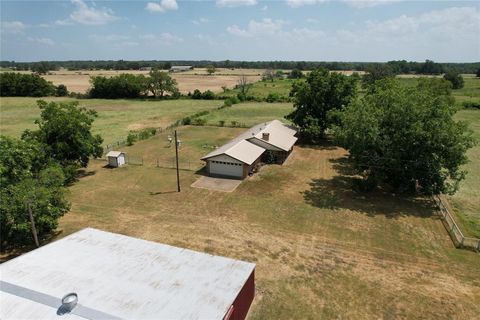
281,136
114,154
116,276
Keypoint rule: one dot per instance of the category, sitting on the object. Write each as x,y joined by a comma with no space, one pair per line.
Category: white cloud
109,38
265,26
46,41
265,8
235,3
13,27
162,6
163,38
200,21
301,3
86,15
361,4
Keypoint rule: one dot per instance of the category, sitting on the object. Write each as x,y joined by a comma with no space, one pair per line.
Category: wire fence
456,234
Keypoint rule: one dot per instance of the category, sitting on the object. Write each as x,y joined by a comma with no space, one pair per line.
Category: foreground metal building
103,275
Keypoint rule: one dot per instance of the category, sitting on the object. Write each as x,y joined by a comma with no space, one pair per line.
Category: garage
223,168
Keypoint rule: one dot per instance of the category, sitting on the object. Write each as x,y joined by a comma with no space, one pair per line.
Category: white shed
116,159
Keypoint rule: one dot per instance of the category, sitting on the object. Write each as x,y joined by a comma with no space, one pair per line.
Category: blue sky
320,30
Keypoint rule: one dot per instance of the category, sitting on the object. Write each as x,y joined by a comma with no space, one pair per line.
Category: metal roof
114,154
281,136
120,277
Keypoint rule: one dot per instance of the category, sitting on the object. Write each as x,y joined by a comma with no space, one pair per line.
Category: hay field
79,81
322,250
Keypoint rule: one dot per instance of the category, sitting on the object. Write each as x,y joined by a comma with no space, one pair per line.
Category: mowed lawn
115,117
466,201
322,251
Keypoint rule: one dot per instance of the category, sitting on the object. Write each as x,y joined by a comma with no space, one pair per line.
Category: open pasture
322,250
115,117
188,81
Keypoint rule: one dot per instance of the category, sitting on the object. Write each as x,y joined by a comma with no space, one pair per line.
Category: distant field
249,114
115,117
79,81
467,200
321,250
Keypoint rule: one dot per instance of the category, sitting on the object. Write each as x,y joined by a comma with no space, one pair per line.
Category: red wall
242,303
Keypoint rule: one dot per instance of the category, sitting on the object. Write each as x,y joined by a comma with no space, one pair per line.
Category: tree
478,73
430,67
377,72
61,91
268,75
24,85
317,100
295,74
65,134
160,83
456,79
42,67
211,69
124,85
406,137
25,183
243,86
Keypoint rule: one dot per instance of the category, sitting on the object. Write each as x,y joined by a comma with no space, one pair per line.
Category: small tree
295,74
65,134
377,72
478,73
211,69
268,75
28,180
406,137
160,83
455,79
317,100
243,86
61,91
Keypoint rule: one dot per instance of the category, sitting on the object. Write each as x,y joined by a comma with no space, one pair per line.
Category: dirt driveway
217,184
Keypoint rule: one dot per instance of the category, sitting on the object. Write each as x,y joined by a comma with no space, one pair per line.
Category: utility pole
32,221
176,159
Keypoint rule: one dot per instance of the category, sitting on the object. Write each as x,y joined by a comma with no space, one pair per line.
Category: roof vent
265,136
69,302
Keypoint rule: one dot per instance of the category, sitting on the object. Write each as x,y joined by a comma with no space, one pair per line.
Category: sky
253,30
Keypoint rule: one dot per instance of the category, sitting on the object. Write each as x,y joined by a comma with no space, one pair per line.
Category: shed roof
114,154
121,277
281,136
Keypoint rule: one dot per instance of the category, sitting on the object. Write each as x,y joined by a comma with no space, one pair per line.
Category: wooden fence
454,231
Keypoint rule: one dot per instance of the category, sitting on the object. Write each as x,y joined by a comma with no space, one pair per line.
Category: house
239,156
180,68
103,275
115,159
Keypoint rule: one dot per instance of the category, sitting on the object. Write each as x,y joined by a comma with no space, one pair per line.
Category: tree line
402,137
35,170
14,84
400,66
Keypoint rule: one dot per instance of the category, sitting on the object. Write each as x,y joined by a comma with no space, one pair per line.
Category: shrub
199,122
61,91
186,121
208,95
131,138
24,85
221,123
197,94
234,123
471,105
455,79
273,97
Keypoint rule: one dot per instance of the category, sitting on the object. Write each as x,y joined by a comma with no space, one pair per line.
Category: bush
273,97
61,91
471,105
121,86
221,123
131,138
208,95
199,122
455,79
197,94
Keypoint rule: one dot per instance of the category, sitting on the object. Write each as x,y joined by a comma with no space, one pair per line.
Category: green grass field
322,250
249,114
115,117
261,89
466,201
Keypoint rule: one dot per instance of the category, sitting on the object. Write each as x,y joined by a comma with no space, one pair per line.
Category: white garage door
226,168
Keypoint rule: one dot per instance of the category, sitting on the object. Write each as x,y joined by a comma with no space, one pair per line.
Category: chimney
265,136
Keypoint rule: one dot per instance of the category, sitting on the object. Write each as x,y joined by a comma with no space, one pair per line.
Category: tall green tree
211,69
160,82
406,137
28,179
65,132
318,100
377,72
